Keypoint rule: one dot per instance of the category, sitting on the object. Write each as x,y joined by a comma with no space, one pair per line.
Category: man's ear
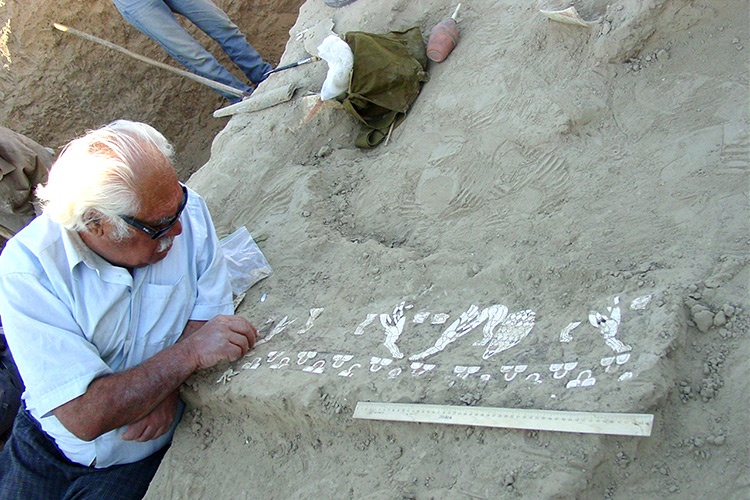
94,222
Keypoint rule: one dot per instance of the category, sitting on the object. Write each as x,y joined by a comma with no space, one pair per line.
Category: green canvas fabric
387,76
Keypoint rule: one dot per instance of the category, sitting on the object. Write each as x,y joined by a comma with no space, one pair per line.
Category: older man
110,300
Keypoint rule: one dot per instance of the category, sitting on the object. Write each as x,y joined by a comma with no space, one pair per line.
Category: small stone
728,310
324,151
720,319
707,393
704,319
305,213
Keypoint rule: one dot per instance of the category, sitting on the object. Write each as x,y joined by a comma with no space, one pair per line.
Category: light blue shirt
70,317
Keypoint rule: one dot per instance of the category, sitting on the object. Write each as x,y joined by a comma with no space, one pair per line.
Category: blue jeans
155,19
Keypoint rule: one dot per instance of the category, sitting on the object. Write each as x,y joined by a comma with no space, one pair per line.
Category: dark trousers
31,466
11,388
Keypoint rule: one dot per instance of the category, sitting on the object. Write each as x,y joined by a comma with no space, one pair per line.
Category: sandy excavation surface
575,199
560,223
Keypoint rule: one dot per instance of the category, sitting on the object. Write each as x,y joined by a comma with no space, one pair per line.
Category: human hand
223,338
156,423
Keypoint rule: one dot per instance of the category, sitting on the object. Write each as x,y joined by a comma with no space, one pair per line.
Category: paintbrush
293,65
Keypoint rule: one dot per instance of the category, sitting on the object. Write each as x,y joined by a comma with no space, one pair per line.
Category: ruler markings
629,424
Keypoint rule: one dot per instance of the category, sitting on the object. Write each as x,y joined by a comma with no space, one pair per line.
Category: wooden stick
390,131
258,101
197,78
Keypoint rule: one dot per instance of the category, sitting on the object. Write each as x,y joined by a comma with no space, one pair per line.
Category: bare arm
159,421
127,397
191,327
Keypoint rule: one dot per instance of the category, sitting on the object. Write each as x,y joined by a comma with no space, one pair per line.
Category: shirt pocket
164,312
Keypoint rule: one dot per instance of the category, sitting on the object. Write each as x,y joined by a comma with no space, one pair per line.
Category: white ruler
621,424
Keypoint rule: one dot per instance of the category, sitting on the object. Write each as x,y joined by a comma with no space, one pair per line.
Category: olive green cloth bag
387,75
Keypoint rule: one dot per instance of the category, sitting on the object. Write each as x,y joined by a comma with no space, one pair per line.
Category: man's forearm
126,397
191,327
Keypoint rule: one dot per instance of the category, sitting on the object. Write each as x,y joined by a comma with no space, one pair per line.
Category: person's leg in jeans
215,23
154,19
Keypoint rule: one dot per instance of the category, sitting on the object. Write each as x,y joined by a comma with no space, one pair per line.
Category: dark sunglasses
164,229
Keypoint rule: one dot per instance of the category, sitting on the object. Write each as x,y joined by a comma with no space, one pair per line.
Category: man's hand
223,338
143,394
156,423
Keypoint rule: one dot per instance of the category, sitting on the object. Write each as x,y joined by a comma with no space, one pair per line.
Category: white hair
94,178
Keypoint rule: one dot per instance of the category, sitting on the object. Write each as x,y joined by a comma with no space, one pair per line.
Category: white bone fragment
512,331
535,377
283,363
226,376
252,366
439,318
640,303
465,372
565,334
617,346
579,382
348,371
394,326
460,327
305,356
560,370
495,315
421,317
276,330
316,368
340,359
314,313
567,16
419,369
361,327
